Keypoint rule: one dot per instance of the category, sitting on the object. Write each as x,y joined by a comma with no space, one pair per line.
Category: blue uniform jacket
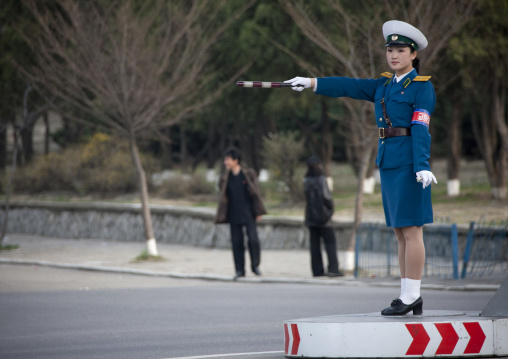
409,103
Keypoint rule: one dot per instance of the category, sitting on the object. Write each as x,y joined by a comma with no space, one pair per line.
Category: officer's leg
414,262
402,258
238,247
401,251
415,252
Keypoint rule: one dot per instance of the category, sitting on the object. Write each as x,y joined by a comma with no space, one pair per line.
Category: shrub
107,165
178,185
281,154
53,172
103,165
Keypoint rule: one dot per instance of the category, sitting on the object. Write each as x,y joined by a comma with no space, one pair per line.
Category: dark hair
314,168
416,61
234,153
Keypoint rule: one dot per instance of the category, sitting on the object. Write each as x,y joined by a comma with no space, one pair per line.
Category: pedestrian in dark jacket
318,217
240,205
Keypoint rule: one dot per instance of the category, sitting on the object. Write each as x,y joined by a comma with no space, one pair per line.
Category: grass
473,203
145,257
8,247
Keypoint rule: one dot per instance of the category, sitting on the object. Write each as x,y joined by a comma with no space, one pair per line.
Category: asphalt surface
85,298
53,313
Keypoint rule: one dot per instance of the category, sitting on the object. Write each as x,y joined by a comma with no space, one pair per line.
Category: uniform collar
405,79
395,77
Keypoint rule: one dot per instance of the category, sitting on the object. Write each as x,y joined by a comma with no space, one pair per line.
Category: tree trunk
3,144
491,134
72,132
363,168
166,148
145,206
369,183
357,128
8,189
19,159
326,138
213,150
498,113
455,147
27,142
183,148
47,133
25,132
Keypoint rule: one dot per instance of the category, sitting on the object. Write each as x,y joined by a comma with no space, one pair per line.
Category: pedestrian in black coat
318,217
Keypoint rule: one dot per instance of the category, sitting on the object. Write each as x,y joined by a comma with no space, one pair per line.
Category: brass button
382,142
380,120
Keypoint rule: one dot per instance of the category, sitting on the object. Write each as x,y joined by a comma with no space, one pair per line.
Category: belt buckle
382,132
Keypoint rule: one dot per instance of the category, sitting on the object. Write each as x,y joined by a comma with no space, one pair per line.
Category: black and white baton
265,84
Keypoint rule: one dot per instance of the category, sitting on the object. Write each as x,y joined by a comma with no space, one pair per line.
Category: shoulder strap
387,120
389,75
422,78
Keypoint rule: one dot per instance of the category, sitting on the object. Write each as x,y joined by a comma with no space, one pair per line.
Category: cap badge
394,37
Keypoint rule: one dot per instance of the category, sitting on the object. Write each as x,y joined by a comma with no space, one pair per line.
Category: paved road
59,313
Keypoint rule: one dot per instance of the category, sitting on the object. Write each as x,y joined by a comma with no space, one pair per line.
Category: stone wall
171,224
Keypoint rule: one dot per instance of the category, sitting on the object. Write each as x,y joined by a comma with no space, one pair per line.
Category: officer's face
400,59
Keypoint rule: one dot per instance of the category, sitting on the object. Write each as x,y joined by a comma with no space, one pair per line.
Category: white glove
426,177
305,81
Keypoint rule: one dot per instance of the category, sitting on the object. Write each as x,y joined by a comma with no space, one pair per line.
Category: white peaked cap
401,28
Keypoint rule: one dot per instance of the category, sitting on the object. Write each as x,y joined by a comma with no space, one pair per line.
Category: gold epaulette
387,74
422,78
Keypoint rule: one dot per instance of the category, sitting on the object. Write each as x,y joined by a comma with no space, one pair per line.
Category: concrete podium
436,333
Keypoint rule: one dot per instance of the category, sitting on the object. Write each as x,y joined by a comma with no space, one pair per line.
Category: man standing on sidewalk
240,205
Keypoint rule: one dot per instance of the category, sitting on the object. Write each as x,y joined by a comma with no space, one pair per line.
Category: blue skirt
405,202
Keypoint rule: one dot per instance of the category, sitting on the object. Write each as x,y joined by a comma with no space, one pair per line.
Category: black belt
390,131
385,132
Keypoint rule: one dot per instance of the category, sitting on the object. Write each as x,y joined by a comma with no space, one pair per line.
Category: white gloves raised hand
304,81
426,178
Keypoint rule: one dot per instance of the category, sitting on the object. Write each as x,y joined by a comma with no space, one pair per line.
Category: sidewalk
277,266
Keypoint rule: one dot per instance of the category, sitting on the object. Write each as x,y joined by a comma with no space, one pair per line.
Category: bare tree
22,133
454,145
28,120
3,143
491,132
487,88
134,69
5,222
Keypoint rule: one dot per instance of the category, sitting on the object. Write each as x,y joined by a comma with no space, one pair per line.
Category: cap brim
405,29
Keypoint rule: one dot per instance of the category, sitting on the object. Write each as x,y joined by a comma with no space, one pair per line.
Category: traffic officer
403,103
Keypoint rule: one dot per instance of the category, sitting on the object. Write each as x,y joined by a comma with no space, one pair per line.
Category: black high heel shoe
399,308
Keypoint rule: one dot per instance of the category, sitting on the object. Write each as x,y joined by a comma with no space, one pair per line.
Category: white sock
411,291
402,286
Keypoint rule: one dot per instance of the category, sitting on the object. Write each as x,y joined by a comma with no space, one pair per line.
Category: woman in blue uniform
403,102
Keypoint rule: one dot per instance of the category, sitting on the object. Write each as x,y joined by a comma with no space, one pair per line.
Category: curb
213,277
